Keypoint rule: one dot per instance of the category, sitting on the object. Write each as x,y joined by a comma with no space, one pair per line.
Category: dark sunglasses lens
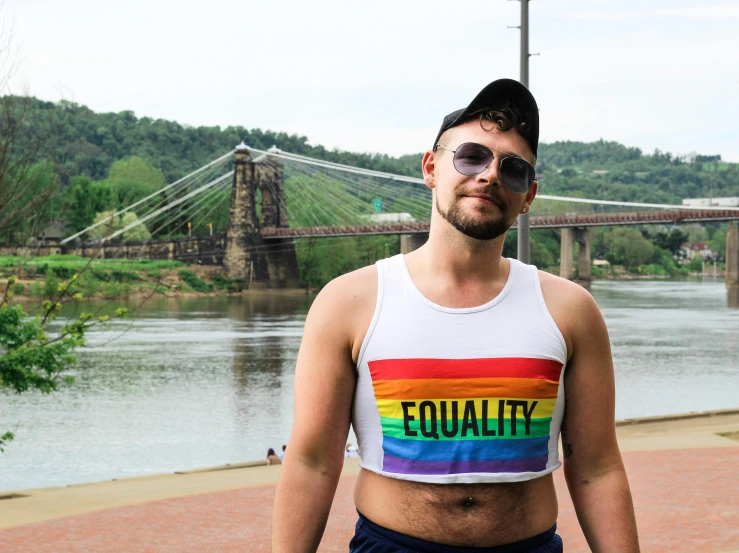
517,175
472,159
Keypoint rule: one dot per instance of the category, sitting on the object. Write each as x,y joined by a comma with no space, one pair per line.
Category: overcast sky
379,76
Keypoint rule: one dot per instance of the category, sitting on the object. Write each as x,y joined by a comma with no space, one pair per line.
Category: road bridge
259,245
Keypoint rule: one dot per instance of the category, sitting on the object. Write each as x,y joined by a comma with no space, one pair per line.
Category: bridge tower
264,263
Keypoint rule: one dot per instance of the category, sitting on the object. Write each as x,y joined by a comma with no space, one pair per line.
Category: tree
26,141
30,359
81,200
629,245
671,241
114,223
132,179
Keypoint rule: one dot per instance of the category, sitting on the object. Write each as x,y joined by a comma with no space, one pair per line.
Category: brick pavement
686,501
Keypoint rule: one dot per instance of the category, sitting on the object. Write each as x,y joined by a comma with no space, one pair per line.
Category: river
190,383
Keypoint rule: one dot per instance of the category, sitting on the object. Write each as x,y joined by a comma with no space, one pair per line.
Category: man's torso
473,515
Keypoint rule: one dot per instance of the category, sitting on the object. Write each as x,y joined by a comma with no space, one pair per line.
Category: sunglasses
471,159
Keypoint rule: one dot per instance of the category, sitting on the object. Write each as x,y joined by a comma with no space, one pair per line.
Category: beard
479,230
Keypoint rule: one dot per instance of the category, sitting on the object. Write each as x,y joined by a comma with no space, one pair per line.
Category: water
209,381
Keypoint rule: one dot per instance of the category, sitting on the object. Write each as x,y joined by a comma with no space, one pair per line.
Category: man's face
479,206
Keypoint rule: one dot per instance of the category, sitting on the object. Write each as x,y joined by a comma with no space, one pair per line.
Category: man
454,364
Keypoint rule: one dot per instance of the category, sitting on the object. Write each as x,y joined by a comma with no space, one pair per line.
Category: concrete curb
229,466
683,416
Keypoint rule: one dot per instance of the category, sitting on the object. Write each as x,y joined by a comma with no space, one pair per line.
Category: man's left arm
593,466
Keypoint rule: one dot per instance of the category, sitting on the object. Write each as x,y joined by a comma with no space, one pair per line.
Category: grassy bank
40,277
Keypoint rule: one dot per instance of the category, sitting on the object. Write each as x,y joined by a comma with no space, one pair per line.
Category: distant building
711,202
600,172
698,249
56,231
380,218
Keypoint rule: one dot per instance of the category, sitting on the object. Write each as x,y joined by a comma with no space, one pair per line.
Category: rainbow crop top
460,395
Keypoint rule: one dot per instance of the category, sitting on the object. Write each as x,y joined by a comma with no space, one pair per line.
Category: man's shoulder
349,294
565,292
344,307
572,307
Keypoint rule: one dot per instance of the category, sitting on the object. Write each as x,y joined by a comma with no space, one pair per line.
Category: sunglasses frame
496,155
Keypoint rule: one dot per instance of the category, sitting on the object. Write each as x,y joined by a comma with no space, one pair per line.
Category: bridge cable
204,167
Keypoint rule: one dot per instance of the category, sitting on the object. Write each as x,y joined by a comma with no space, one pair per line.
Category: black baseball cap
496,94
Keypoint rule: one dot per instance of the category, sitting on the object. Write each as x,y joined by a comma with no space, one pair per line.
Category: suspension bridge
272,199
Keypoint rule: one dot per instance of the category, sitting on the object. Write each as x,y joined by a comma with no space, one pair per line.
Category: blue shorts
371,538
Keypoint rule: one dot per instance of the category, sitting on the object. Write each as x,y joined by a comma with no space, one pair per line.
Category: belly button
469,502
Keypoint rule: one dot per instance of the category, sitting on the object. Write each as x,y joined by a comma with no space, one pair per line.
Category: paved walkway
686,501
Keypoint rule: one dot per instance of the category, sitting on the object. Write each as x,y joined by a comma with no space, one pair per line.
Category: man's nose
491,174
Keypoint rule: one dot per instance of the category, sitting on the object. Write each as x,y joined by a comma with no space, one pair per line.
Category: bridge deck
542,221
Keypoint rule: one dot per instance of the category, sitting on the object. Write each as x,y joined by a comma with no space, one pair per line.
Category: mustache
487,193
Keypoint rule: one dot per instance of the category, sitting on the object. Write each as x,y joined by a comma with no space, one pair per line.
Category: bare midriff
463,515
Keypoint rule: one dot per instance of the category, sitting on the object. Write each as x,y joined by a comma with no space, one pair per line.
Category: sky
379,76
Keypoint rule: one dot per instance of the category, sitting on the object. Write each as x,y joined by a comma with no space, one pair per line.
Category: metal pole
524,233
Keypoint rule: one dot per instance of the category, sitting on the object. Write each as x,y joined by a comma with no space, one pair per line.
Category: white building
711,202
380,218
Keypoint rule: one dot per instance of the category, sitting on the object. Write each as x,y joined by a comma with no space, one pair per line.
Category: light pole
524,231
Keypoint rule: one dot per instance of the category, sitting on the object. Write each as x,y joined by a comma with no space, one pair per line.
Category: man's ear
531,194
428,166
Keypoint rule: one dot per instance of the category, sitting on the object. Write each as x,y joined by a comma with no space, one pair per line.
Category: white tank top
464,395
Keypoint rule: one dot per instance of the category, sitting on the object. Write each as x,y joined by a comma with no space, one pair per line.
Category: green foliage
717,242
670,241
81,200
51,284
19,288
696,265
695,233
320,261
113,223
77,263
194,281
222,282
30,359
136,169
629,246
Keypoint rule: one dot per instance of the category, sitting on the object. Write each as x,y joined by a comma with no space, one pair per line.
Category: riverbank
116,279
112,278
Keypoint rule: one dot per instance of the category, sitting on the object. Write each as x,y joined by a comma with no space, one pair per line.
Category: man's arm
324,387
593,466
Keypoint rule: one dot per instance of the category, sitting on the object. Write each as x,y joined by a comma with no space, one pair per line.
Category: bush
51,284
222,282
124,276
194,281
696,265
64,273
18,288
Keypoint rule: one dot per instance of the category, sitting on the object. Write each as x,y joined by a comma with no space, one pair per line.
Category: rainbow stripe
452,416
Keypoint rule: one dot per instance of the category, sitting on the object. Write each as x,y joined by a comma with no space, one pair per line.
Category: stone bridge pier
568,239
411,242
732,256
263,263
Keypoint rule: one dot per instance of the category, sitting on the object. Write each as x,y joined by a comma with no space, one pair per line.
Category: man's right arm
325,377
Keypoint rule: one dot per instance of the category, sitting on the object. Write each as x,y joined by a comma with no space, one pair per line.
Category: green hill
88,143
103,161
